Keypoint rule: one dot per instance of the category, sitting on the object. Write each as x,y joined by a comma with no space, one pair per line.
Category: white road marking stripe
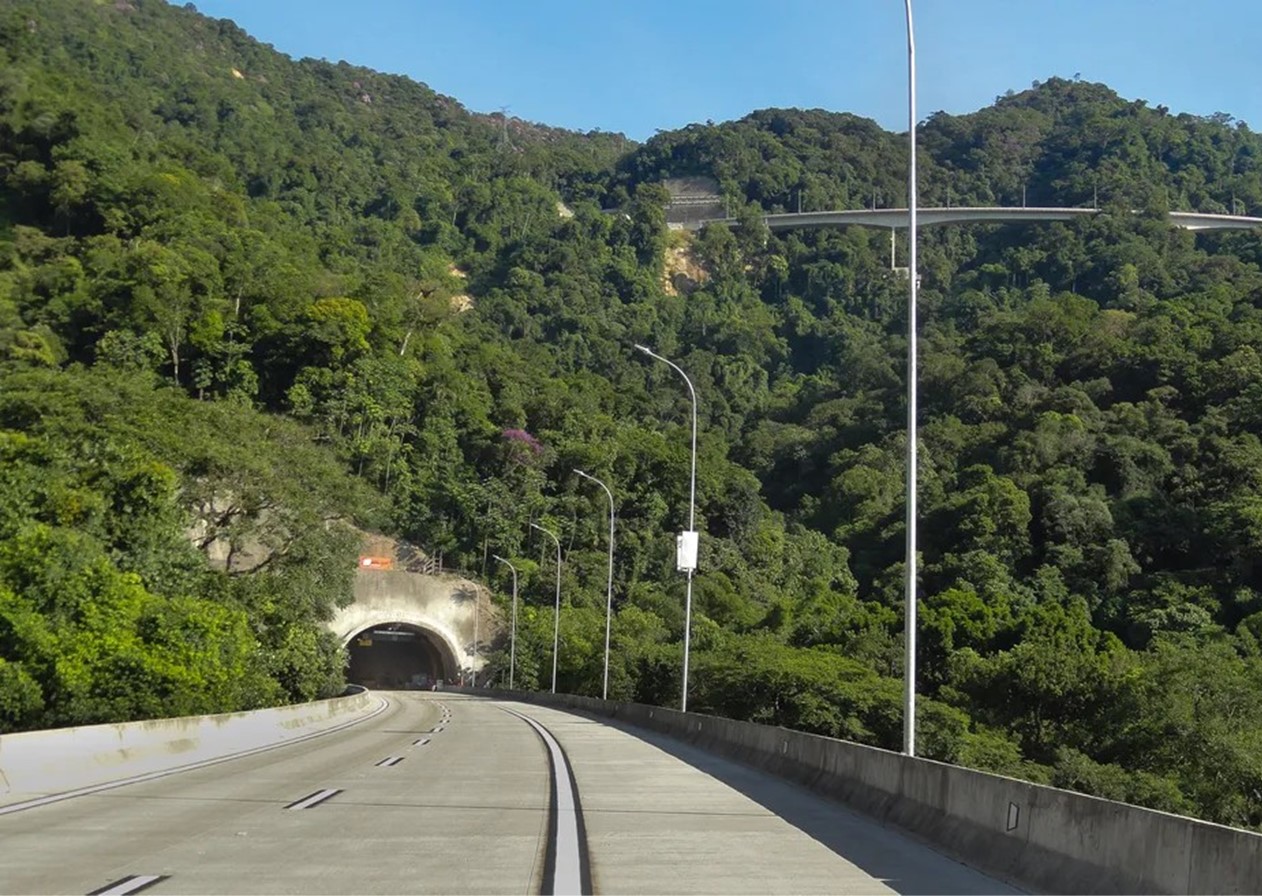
567,875
133,884
420,743
314,800
389,760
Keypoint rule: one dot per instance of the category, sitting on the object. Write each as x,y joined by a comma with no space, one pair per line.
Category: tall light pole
909,599
473,666
556,616
512,638
686,546
604,694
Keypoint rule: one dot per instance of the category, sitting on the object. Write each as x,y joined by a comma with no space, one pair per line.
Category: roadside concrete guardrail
1038,837
59,762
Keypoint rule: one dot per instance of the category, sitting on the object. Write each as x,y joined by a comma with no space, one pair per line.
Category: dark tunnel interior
397,655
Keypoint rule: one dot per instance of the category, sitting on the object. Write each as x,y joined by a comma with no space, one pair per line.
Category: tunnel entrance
397,655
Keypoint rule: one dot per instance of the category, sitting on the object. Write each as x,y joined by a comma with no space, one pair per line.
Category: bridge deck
897,218
449,794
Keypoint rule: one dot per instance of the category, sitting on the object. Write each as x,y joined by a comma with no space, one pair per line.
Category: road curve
449,794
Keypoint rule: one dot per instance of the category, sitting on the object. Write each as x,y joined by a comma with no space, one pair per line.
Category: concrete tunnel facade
408,630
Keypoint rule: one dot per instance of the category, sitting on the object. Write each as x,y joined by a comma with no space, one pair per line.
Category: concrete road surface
449,794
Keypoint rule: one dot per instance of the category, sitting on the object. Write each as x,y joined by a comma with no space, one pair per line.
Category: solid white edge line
162,773
568,871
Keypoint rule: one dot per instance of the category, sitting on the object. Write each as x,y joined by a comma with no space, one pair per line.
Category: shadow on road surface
880,851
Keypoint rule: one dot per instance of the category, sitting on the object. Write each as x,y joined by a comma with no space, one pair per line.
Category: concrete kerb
1039,837
37,763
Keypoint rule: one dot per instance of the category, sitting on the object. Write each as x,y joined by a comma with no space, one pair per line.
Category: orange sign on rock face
366,562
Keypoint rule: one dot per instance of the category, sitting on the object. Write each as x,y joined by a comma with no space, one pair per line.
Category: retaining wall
39,763
1039,837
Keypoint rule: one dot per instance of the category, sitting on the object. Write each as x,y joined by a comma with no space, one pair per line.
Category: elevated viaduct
897,218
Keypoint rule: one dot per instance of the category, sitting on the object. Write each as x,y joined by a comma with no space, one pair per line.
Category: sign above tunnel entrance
390,634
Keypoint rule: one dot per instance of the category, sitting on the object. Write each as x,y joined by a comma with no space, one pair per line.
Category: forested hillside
319,296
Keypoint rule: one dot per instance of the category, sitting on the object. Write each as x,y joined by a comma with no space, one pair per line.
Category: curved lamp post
556,616
473,664
604,695
512,638
909,599
687,545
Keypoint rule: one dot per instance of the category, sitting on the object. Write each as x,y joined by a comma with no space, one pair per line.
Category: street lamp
473,665
556,616
909,599
512,638
604,695
686,544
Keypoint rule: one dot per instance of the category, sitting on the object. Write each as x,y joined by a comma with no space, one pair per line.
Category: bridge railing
1037,836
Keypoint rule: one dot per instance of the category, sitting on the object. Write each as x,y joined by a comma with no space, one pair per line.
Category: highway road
442,793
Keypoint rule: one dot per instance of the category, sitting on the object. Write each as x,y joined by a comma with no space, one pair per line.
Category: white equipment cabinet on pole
686,551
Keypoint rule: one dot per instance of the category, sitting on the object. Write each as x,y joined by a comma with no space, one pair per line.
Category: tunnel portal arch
451,618
393,654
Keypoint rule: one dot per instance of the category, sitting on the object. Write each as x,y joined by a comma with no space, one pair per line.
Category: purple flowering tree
522,447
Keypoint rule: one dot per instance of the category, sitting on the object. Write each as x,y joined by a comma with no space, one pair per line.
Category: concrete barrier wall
38,763
1039,837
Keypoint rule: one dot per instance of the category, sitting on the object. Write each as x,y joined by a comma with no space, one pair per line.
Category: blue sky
637,66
